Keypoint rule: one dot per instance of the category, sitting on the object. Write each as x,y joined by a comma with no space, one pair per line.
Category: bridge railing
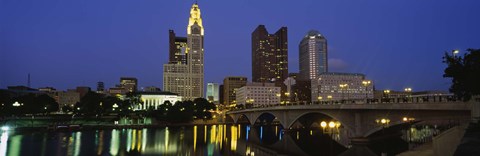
413,99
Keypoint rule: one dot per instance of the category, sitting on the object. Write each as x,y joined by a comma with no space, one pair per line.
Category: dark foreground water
189,140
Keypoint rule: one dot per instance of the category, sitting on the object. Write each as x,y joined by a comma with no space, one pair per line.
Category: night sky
69,43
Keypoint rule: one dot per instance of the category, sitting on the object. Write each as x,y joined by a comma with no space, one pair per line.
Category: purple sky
64,44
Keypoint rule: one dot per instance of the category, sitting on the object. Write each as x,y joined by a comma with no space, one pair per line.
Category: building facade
230,87
130,84
258,94
186,77
177,49
213,91
152,100
270,56
341,86
68,98
313,55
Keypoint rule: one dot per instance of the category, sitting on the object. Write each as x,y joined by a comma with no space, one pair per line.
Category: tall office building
230,87
129,84
213,92
185,77
177,49
313,55
270,56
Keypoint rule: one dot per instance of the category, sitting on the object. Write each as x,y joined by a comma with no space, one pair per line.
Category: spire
195,18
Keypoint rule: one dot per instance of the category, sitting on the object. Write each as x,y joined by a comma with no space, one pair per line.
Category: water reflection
212,140
3,143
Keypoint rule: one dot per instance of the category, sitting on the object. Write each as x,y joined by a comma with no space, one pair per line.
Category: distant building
100,87
152,89
129,83
230,86
213,92
152,100
258,94
341,86
47,89
313,55
52,92
301,92
83,90
220,94
21,88
270,56
68,98
117,91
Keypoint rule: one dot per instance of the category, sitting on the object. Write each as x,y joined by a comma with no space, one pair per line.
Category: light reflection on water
190,140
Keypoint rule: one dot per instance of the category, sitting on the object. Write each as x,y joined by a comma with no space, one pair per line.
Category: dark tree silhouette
465,73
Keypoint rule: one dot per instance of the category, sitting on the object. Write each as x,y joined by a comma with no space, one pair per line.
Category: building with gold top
184,74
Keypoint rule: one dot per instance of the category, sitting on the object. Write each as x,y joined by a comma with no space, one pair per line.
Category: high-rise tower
313,55
195,52
270,56
184,72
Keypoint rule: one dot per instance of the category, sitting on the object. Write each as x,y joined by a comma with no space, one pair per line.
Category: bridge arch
237,118
346,123
265,116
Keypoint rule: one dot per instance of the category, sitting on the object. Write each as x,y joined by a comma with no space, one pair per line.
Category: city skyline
59,48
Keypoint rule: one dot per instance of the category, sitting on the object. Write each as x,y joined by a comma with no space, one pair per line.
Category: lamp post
383,122
319,98
333,128
342,86
16,104
409,93
366,83
409,121
386,93
455,52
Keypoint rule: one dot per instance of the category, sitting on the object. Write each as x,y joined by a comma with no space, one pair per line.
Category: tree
465,73
202,108
131,100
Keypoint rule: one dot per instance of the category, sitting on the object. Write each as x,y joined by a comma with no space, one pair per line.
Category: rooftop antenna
28,82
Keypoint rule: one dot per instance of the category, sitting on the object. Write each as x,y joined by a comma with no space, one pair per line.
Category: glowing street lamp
409,92
342,86
16,104
114,106
455,52
366,83
384,122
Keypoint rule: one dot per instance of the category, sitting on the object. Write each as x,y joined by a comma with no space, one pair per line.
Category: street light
366,83
409,121
342,86
455,52
333,128
384,122
409,93
386,94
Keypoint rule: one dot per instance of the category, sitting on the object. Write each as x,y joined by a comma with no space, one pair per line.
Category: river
186,140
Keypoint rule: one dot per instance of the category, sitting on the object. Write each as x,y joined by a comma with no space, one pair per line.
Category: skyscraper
185,77
313,55
270,56
177,49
